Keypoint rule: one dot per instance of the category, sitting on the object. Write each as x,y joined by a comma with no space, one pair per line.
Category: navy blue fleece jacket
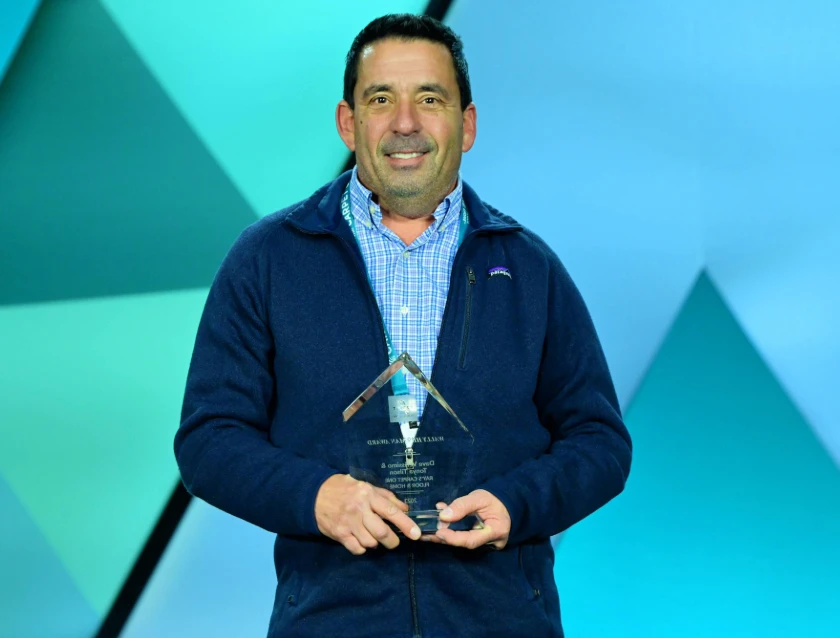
291,334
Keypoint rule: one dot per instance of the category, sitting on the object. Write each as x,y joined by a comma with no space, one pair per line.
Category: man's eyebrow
375,88
423,88
434,88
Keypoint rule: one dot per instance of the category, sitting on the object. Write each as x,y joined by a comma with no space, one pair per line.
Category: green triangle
104,188
92,394
731,518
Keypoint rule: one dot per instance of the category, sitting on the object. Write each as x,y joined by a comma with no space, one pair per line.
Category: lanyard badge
402,406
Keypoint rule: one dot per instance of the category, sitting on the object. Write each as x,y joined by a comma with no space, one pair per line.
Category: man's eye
430,100
380,100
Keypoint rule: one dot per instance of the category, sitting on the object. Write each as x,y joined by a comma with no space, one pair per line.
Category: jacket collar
321,212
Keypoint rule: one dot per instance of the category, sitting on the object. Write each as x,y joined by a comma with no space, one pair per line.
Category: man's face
408,129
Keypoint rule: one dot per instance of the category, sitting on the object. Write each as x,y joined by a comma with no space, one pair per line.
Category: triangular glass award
422,462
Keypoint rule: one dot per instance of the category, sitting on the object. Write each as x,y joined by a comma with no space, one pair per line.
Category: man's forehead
400,57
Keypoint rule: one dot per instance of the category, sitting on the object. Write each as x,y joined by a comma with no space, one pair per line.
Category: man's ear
344,121
470,130
470,127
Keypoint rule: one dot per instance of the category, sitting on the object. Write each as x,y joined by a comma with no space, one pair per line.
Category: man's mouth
404,155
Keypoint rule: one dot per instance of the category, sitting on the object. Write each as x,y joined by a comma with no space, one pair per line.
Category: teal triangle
14,18
37,596
731,518
259,83
104,188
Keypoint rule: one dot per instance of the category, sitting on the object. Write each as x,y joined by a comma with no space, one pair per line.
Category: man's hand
489,508
352,512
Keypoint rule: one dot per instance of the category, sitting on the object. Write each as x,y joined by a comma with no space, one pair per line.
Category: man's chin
404,191
407,182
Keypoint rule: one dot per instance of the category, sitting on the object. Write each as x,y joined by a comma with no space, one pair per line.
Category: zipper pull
470,275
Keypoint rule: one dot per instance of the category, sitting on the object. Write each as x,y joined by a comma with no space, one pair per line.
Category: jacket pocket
465,335
286,599
529,587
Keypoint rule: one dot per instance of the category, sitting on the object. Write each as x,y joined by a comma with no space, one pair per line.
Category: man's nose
406,120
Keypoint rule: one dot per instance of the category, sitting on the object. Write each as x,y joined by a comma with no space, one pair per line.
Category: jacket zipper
470,284
415,621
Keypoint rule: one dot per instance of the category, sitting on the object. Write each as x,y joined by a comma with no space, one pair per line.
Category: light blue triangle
15,16
215,580
37,596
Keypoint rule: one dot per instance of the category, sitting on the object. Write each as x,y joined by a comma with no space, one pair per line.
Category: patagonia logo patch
499,271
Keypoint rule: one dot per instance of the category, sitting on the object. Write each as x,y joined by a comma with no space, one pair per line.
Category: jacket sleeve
222,446
588,461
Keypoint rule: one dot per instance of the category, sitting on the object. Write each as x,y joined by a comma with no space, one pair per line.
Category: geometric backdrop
652,140
730,523
118,199
681,158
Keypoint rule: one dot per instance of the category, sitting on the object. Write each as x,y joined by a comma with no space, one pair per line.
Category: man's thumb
459,508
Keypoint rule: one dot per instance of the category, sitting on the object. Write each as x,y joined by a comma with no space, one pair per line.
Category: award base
429,522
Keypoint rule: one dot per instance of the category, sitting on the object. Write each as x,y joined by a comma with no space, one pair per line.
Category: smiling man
408,128
401,255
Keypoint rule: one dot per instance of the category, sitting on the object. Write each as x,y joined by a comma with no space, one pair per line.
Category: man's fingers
354,513
364,537
380,531
470,540
353,546
389,511
388,494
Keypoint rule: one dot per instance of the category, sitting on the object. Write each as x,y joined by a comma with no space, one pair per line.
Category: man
293,331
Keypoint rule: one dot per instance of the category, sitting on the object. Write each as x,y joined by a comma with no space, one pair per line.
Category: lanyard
398,383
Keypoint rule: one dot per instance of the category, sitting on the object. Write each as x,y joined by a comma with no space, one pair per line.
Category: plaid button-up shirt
410,283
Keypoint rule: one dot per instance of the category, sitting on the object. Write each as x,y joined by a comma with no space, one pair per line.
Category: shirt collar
367,211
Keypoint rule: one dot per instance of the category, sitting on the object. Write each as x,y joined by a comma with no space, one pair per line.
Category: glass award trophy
423,462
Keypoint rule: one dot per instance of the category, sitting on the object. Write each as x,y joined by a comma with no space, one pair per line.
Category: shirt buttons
406,254
404,310
372,209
